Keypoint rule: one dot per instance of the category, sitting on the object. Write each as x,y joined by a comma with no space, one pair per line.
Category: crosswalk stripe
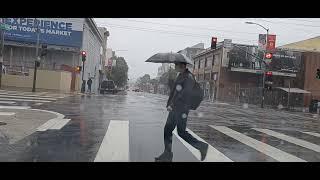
293,140
60,124
259,146
26,100
26,97
213,155
115,144
312,134
47,125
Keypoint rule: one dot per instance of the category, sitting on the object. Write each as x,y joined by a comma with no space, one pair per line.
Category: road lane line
115,144
213,155
312,134
26,100
7,113
259,146
26,97
59,124
290,139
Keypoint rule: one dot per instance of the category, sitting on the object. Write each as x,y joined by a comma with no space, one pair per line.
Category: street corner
19,122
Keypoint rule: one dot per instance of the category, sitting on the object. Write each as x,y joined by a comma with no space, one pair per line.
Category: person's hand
169,108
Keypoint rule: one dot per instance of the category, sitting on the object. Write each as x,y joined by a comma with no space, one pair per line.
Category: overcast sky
138,39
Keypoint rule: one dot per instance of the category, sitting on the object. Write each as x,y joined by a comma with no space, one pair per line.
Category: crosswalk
115,145
14,98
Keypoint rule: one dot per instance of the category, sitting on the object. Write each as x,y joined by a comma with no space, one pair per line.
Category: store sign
55,31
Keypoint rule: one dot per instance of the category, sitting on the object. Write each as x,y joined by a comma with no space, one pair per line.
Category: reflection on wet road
130,128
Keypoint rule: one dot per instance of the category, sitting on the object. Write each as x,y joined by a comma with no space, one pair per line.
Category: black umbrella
169,58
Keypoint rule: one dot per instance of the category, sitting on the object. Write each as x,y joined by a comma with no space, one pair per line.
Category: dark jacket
180,93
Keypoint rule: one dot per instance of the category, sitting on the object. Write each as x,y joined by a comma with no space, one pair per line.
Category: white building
64,37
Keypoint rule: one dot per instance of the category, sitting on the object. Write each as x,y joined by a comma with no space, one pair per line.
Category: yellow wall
55,80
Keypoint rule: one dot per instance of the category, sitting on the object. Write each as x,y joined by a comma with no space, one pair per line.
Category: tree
143,81
168,78
119,73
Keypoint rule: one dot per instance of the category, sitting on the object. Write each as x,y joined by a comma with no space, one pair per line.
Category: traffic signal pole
83,86
37,60
264,73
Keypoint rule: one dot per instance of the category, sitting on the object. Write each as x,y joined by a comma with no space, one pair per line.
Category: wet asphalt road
81,138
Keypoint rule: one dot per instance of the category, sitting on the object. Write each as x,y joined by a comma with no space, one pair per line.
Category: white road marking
115,144
59,124
293,140
48,124
7,113
26,100
7,102
38,104
312,134
259,146
213,155
14,107
26,97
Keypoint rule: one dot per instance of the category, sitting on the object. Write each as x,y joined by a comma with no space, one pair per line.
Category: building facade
64,37
234,73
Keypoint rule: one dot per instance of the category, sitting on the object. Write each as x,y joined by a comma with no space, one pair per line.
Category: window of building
199,64
205,62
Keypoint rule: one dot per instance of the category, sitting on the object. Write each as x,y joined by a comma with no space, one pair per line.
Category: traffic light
268,80
83,56
268,56
44,50
213,43
318,74
78,68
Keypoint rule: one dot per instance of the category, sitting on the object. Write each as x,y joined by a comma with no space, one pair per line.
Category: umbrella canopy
169,58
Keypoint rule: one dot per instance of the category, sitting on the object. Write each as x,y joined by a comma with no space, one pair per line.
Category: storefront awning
295,90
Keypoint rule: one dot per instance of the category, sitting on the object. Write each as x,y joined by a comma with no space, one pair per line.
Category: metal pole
37,57
1,51
288,95
83,86
264,73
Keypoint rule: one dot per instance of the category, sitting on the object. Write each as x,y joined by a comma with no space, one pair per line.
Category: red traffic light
83,53
268,55
269,73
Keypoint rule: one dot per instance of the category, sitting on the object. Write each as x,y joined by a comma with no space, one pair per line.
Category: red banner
271,43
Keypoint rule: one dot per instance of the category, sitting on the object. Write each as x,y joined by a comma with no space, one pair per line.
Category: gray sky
143,37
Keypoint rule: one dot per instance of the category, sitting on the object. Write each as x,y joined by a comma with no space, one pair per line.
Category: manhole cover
3,123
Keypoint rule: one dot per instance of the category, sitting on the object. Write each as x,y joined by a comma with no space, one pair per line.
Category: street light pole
263,59
1,51
37,57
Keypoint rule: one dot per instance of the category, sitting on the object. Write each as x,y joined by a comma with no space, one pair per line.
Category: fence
272,98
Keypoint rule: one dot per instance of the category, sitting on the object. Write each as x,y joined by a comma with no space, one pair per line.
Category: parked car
107,86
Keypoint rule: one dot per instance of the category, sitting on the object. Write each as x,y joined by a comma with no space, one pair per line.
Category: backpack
196,95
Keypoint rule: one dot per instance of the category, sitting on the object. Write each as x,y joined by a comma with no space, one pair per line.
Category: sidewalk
10,88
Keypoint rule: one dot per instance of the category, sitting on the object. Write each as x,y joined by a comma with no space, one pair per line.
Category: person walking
89,83
178,106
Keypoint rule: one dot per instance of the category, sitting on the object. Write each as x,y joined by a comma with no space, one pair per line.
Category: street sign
271,43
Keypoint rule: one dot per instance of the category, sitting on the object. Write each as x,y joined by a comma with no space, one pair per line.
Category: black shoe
165,157
204,151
